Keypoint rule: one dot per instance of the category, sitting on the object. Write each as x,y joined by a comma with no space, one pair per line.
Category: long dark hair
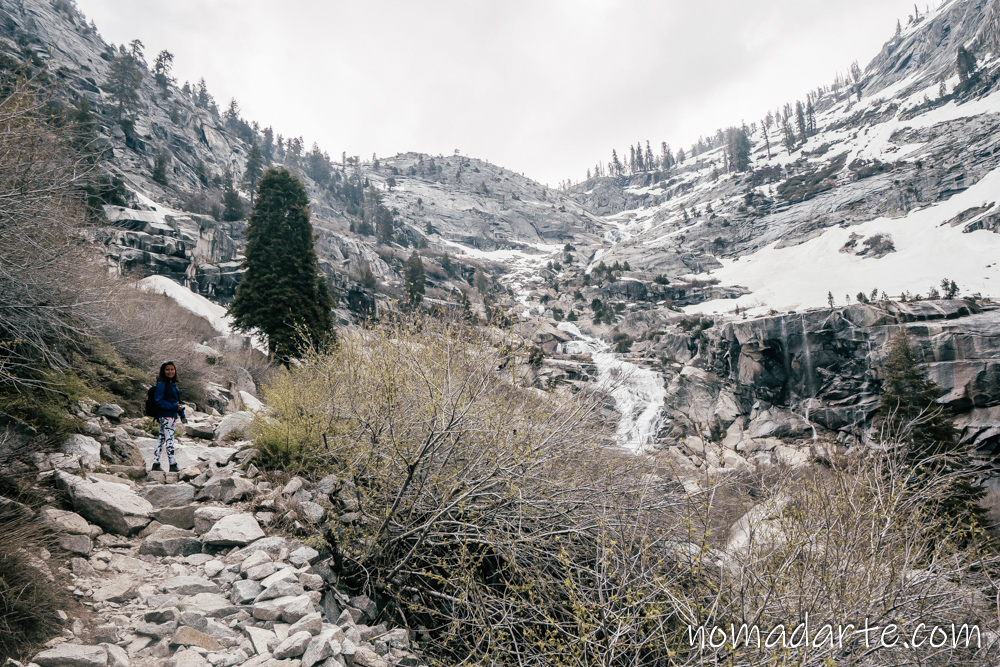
162,377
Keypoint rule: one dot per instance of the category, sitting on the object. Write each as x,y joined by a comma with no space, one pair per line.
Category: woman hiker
167,404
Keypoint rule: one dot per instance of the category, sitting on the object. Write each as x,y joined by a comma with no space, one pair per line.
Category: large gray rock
77,544
117,657
188,636
245,591
110,410
290,608
311,512
212,605
168,495
234,489
311,623
272,545
322,646
236,529
303,556
65,522
114,507
73,655
206,517
294,646
280,589
156,630
187,454
203,430
187,585
171,541
181,517
120,589
85,447
237,421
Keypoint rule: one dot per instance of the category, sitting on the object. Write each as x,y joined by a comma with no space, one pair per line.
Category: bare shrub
153,328
852,542
49,278
490,513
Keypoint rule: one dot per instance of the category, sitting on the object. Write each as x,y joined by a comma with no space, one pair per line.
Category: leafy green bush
151,426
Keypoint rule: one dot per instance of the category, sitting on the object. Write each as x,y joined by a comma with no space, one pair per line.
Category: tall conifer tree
283,293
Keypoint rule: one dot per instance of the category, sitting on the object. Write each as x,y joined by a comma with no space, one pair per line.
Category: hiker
168,408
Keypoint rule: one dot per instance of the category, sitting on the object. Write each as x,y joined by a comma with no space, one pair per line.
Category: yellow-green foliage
150,425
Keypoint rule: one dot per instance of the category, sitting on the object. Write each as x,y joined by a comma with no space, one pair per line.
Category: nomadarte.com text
832,637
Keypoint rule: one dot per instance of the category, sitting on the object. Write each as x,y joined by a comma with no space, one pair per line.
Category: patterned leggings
167,427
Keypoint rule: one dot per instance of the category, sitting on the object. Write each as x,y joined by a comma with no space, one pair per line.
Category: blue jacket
167,399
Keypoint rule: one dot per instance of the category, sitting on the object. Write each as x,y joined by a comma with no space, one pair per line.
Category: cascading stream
638,392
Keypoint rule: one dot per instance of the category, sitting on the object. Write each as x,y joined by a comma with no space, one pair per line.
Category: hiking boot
173,467
156,468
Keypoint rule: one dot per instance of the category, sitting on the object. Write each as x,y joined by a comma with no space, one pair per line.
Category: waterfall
810,381
638,392
787,356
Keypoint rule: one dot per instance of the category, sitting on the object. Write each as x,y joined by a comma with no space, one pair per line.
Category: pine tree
764,125
202,98
446,265
789,133
160,169
738,149
467,314
800,119
910,416
254,169
479,282
84,126
384,226
231,202
413,276
124,78
966,65
283,293
368,278
161,68
856,78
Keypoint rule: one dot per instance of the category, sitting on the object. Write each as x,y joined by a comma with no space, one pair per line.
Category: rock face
114,507
833,357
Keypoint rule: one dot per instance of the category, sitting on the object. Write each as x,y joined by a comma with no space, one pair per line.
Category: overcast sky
546,87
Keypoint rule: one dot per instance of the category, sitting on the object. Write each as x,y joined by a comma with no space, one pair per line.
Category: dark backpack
152,409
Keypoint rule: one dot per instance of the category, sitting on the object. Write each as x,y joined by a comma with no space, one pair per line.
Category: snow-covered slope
915,158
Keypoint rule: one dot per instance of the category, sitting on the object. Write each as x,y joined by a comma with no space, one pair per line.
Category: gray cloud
544,87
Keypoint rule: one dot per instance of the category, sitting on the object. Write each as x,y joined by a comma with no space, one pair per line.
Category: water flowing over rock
638,392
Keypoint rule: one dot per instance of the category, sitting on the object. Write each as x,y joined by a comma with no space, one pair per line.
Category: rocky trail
178,569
